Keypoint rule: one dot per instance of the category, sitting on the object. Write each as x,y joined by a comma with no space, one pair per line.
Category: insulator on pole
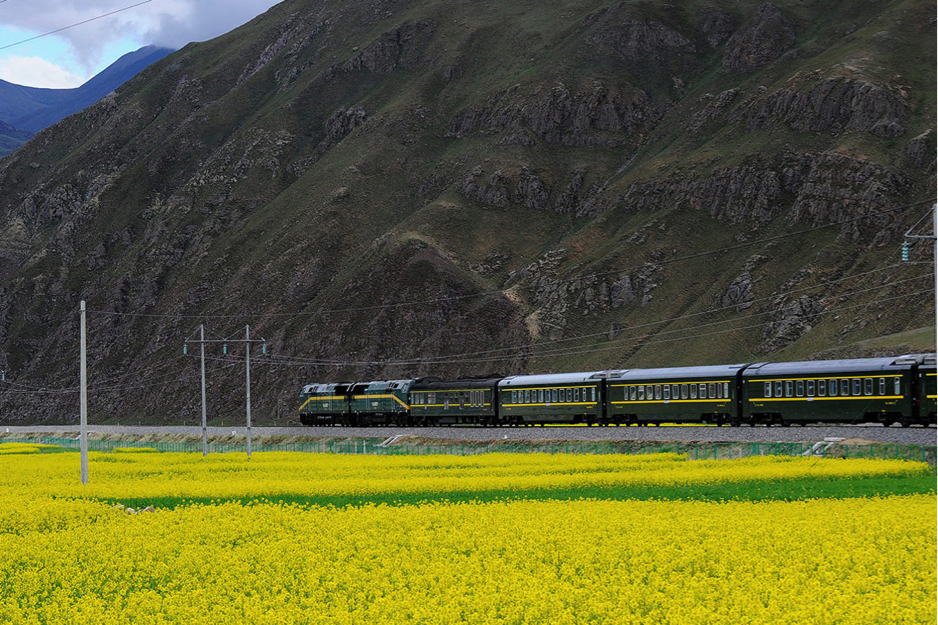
905,251
185,349
224,348
263,348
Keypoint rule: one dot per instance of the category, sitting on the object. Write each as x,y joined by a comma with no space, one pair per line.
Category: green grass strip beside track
781,490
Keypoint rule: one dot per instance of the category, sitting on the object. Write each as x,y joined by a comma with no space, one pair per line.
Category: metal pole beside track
247,361
204,428
83,400
934,212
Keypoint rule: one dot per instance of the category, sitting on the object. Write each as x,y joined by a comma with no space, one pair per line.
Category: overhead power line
429,301
274,361
58,30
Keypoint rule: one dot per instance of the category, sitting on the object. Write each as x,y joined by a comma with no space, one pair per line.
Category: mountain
31,109
12,138
388,188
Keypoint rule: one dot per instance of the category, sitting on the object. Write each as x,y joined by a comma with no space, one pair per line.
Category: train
888,391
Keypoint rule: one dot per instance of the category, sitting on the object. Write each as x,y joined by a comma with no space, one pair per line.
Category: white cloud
171,23
33,71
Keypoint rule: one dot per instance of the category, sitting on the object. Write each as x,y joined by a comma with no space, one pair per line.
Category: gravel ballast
879,434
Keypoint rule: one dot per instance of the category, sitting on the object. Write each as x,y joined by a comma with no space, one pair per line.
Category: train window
832,387
882,386
726,390
789,388
641,393
897,384
527,397
650,391
856,386
594,393
702,393
683,391
632,393
821,388
810,388
576,394
719,391
569,394
657,391
778,389
868,386
667,392
712,390
675,391
514,397
540,396
799,388
553,395
693,391
845,387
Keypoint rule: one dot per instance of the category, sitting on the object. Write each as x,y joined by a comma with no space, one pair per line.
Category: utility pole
247,386
83,401
934,237
247,340
204,425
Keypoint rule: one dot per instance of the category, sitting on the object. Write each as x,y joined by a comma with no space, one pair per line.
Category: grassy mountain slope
400,188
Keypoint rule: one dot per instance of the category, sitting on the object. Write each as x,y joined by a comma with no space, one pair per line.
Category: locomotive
863,390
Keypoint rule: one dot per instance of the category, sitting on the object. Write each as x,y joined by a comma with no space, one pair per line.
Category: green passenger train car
858,390
449,402
674,395
551,398
927,390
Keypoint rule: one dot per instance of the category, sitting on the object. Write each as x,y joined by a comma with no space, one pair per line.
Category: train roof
383,385
319,387
550,378
437,384
847,365
667,373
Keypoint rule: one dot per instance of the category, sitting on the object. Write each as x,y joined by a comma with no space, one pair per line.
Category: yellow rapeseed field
278,474
67,559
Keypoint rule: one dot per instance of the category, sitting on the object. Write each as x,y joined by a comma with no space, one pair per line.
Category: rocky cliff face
388,189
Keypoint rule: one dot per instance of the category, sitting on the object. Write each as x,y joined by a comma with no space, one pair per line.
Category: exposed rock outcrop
718,26
715,107
834,105
921,150
789,321
595,118
762,40
634,37
526,188
399,47
824,188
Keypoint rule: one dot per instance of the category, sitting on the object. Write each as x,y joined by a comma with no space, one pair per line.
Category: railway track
759,434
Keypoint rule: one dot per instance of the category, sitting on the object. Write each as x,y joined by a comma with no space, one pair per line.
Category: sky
68,58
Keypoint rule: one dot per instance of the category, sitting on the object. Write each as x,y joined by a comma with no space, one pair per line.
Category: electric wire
710,311
429,301
58,30
276,362
532,351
